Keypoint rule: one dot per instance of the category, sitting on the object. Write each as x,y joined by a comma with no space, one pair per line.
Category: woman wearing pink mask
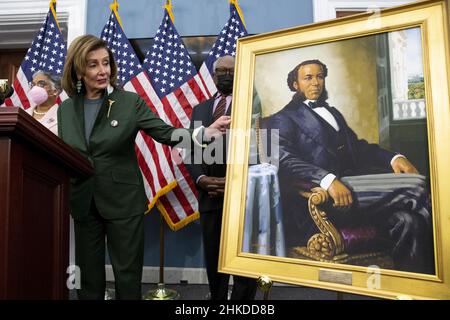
45,89
101,122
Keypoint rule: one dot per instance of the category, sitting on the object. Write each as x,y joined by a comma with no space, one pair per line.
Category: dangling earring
79,84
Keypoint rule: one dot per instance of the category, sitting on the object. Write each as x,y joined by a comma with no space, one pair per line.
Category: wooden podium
35,170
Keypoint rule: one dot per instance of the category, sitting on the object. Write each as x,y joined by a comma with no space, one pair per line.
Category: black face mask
225,83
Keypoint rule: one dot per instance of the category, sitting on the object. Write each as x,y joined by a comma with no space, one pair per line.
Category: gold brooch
109,108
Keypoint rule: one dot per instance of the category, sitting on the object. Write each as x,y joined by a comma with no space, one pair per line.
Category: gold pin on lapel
109,108
114,123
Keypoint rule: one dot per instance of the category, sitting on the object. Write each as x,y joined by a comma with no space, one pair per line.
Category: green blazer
117,185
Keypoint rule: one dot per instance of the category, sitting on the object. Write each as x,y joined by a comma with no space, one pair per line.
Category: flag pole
161,293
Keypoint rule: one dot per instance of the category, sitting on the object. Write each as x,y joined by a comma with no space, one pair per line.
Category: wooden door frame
9,59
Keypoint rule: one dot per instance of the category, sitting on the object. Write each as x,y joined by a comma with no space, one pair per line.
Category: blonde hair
76,61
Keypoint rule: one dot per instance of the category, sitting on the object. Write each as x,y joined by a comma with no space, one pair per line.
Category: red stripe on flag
178,192
141,92
151,145
8,102
180,195
21,94
148,140
170,211
189,179
170,114
167,153
184,103
145,169
204,85
196,90
182,167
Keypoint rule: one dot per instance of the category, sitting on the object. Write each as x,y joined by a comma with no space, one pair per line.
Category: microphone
3,96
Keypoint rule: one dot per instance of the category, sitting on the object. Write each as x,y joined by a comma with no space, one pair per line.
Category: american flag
224,45
179,88
160,172
128,65
47,53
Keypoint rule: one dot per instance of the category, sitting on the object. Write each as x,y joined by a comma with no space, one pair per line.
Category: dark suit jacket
307,154
202,116
117,185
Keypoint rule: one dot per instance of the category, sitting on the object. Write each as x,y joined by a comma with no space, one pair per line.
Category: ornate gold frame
432,17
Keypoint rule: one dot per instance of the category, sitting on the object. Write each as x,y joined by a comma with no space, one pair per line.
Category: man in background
210,180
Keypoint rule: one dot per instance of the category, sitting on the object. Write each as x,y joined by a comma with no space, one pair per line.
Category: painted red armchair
358,245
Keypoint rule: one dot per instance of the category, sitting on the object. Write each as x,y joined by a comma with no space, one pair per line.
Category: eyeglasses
40,83
224,71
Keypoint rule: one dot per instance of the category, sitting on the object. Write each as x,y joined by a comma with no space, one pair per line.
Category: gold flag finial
52,6
115,8
168,7
239,11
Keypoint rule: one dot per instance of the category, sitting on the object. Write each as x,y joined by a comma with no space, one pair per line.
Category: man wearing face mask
210,179
45,89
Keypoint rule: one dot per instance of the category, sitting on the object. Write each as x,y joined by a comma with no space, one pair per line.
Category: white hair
220,59
54,80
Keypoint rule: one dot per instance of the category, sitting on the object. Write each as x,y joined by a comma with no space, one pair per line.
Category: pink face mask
38,95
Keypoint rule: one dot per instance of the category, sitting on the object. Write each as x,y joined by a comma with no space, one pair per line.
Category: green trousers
125,241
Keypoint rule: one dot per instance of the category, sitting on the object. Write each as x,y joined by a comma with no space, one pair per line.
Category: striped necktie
220,108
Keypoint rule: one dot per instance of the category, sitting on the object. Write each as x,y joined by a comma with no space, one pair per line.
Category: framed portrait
338,174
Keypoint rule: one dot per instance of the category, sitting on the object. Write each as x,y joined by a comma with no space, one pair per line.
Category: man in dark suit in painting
319,149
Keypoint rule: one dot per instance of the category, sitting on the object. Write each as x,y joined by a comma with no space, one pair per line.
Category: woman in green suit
101,122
